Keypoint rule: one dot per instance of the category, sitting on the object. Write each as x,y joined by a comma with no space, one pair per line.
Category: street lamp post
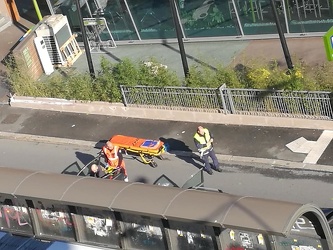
282,37
85,40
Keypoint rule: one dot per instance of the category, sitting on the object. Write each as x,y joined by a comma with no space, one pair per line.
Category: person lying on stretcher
114,159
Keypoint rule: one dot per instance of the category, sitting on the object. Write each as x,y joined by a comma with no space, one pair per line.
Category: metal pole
179,37
85,40
282,37
39,15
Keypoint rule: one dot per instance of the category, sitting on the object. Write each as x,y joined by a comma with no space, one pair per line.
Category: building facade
118,21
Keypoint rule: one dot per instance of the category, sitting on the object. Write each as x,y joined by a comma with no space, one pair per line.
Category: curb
118,109
46,139
223,158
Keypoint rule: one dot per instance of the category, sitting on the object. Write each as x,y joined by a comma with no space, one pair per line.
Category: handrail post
124,96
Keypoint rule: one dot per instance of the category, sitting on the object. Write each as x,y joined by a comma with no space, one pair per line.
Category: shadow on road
141,179
84,158
100,144
181,150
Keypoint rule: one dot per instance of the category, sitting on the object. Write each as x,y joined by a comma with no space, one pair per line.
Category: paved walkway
212,54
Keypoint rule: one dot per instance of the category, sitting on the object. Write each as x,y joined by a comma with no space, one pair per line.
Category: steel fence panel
182,98
298,104
303,104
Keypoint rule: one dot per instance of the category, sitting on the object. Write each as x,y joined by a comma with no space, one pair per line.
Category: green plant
319,77
106,85
153,73
126,72
215,17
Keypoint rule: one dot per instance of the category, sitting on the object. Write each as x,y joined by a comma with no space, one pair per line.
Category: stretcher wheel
148,159
153,164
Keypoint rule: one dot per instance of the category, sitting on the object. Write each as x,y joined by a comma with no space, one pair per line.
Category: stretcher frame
147,149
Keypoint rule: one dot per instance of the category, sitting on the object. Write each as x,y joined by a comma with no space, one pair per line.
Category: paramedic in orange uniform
114,158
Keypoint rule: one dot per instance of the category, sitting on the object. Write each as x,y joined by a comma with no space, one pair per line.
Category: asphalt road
239,178
230,140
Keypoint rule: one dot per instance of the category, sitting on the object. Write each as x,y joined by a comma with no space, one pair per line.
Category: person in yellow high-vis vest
203,140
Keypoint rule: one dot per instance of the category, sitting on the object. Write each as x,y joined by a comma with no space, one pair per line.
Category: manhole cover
10,119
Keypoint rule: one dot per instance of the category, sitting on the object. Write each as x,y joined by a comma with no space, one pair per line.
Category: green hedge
105,85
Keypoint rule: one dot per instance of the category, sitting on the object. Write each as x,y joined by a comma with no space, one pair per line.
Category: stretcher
147,149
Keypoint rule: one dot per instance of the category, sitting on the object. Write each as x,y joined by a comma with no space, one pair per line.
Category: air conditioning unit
43,55
56,32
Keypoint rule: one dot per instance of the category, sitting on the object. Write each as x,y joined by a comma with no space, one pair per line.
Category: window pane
208,18
299,243
54,220
142,232
15,218
99,227
240,239
192,236
119,20
153,18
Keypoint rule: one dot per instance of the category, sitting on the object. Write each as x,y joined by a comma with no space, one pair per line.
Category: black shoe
219,169
210,172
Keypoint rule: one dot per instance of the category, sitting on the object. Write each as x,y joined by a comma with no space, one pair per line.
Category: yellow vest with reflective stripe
203,139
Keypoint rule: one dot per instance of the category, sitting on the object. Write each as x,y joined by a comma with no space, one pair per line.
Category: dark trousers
212,155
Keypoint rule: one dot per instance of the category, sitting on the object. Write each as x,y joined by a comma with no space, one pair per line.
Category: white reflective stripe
115,152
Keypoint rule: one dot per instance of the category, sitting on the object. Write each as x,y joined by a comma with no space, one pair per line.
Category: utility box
56,32
61,44
43,55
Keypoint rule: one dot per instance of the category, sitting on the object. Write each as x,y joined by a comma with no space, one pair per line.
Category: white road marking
313,149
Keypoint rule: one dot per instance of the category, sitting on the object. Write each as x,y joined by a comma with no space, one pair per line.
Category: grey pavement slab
309,50
208,54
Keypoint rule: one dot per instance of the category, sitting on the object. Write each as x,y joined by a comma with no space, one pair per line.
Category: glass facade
139,20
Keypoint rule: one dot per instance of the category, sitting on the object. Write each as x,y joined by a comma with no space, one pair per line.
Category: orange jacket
113,157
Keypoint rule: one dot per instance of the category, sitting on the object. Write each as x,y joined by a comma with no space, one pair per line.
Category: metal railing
180,98
298,104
